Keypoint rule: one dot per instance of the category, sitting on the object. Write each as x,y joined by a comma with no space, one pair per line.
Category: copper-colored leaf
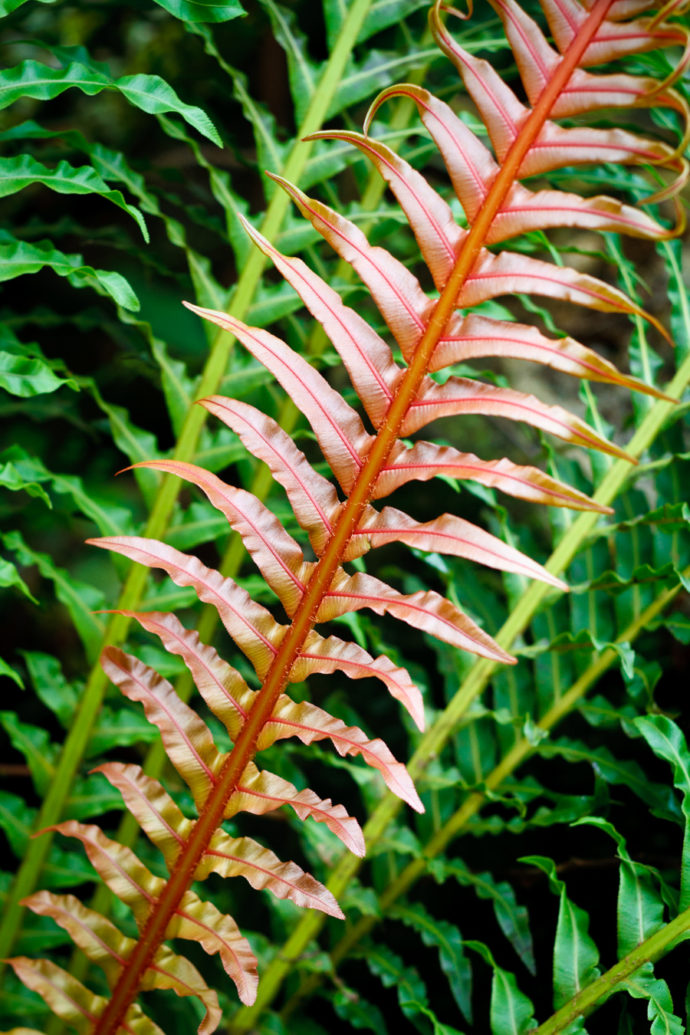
431,333
335,655
200,921
97,937
471,166
451,535
585,92
252,627
221,686
259,792
614,38
119,867
244,857
309,723
504,116
438,235
557,147
526,210
510,273
168,970
464,395
152,807
413,609
149,802
277,555
338,428
101,941
472,170
312,497
397,293
426,460
229,697
187,740
537,61
500,110
163,822
405,307
217,933
472,337
67,997
428,611
366,356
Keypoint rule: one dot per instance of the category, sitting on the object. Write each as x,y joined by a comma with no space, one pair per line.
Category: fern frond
399,399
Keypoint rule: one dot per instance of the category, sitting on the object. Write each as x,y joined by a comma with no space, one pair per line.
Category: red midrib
243,752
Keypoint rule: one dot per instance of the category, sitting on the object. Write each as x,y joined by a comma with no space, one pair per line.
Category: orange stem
243,752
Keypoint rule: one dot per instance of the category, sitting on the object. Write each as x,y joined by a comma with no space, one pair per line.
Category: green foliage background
557,793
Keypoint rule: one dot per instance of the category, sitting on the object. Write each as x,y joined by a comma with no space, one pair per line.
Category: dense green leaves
80,598
381,14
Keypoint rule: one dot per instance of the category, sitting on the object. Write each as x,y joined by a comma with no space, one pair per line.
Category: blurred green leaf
150,93
202,10
34,744
80,599
51,686
24,171
512,917
446,938
20,257
668,742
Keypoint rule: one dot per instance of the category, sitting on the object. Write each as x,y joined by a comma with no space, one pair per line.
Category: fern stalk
472,686
288,418
75,745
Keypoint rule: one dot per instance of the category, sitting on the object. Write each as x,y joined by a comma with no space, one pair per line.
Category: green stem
77,740
126,988
589,998
518,754
416,369
288,417
474,684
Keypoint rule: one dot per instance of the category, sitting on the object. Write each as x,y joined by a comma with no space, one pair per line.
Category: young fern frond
399,399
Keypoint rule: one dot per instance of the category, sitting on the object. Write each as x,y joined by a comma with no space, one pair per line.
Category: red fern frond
399,397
